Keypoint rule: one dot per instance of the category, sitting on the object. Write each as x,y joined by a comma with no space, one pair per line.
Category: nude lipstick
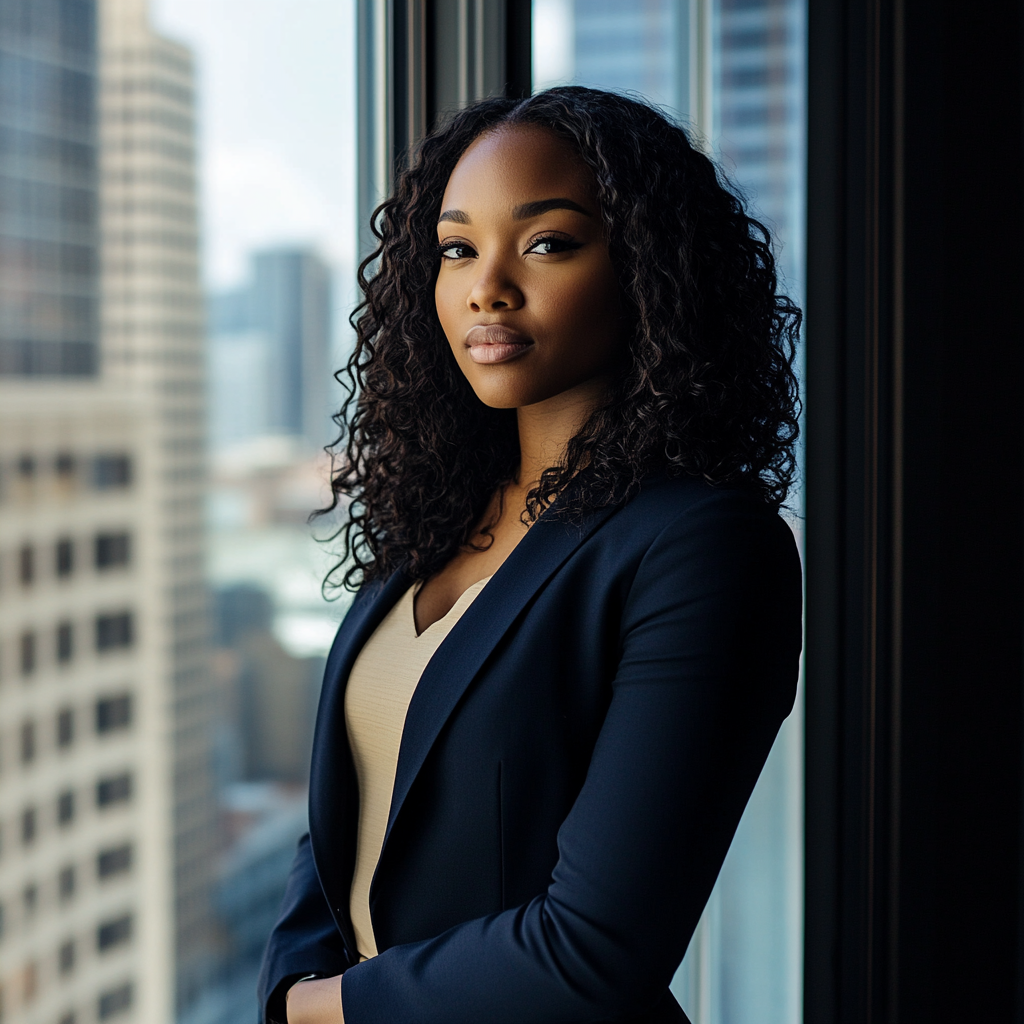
495,344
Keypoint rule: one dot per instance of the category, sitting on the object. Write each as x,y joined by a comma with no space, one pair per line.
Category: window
68,1018
26,565
66,882
30,898
65,557
114,789
65,727
115,932
111,471
115,1001
113,713
112,549
27,651
66,808
27,743
65,642
114,631
26,466
116,860
64,466
29,825
66,957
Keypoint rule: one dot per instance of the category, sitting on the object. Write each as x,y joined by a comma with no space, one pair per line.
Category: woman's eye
455,251
549,246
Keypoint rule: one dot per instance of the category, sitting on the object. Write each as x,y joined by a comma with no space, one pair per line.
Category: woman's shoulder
688,499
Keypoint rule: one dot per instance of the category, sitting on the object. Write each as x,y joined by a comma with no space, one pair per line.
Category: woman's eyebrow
535,209
522,212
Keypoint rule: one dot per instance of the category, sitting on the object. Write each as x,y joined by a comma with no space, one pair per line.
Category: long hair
707,387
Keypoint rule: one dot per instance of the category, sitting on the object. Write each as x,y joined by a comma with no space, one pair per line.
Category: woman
578,619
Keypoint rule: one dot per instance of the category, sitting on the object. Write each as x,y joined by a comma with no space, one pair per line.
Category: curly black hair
707,389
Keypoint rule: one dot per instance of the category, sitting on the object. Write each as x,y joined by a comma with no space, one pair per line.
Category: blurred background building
153,347
271,351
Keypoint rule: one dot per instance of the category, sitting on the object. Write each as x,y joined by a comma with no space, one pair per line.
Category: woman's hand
317,1001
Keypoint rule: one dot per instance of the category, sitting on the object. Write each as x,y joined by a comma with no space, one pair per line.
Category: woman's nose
493,290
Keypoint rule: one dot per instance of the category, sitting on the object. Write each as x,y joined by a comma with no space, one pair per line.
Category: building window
29,825
27,652
66,808
114,631
115,861
65,557
115,1001
113,713
66,881
64,465
112,549
26,466
27,743
68,1018
65,642
30,898
65,727
66,957
110,471
114,789
115,932
26,565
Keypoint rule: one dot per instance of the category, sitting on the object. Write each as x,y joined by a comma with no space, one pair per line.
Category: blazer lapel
333,788
456,662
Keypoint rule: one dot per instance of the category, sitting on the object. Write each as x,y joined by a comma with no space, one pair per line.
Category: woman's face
526,293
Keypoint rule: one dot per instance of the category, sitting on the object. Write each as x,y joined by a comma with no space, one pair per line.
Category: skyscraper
759,115
152,328
48,231
271,350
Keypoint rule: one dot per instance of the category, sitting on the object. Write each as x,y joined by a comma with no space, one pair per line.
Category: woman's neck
546,428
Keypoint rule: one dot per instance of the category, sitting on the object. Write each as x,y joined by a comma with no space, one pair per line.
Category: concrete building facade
153,339
84,815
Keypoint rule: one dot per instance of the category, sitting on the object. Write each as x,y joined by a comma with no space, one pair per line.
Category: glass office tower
270,350
49,238
732,71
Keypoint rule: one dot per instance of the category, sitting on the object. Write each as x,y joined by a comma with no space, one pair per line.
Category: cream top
380,687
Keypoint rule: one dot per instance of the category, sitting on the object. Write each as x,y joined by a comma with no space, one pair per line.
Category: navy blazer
575,761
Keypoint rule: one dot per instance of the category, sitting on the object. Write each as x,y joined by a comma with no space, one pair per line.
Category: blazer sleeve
304,941
710,644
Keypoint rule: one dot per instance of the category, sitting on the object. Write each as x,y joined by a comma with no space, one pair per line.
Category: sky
276,98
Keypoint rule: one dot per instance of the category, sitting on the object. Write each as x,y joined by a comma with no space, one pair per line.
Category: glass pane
733,72
276,109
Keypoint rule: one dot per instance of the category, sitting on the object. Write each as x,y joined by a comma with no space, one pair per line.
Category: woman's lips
495,344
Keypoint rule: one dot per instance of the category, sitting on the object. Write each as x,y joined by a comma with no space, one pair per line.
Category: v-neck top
380,688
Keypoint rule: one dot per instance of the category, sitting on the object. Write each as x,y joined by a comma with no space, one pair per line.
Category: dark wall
915,365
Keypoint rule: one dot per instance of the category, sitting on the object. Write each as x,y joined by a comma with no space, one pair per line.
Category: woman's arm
710,646
304,941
